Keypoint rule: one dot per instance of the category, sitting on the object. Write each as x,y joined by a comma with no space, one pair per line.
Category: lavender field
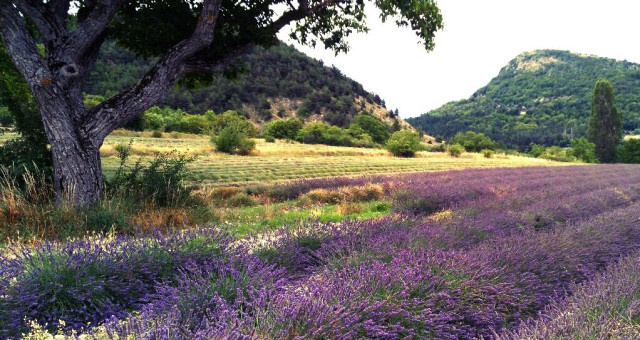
494,253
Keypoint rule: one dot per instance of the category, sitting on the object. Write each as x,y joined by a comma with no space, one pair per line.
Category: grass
245,220
282,161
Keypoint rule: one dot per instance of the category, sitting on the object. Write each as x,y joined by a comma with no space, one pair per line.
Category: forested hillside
278,82
540,97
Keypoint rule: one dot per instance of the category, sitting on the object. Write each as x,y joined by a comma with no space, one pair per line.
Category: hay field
288,161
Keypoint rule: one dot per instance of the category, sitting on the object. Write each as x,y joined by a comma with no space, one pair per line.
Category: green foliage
91,100
487,153
629,151
536,150
233,138
192,124
540,97
583,150
455,150
605,123
372,126
473,142
160,182
29,152
169,120
6,118
403,143
231,118
283,129
322,133
556,153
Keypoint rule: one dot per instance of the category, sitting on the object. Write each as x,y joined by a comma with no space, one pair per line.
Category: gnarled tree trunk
77,175
74,132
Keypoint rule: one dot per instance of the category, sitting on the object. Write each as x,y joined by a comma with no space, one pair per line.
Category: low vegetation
447,262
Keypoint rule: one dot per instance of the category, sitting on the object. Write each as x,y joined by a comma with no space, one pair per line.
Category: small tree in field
455,150
403,143
233,139
191,39
605,123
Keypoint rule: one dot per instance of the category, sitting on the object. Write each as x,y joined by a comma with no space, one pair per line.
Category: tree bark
78,170
75,151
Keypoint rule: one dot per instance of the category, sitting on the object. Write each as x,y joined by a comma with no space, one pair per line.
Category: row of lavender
503,245
607,307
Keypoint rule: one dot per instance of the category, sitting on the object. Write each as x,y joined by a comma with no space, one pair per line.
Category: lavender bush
607,307
87,281
468,254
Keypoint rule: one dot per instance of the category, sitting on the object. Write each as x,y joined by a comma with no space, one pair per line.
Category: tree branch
35,11
22,48
299,13
125,106
59,10
199,64
89,30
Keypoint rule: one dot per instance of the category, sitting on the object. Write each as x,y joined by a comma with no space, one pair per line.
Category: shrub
536,150
22,155
245,147
435,148
233,138
160,182
231,118
283,129
156,134
556,153
629,151
269,139
472,141
321,133
583,150
455,150
403,143
240,199
487,153
192,124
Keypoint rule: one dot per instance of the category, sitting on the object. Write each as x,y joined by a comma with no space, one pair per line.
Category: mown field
509,253
287,161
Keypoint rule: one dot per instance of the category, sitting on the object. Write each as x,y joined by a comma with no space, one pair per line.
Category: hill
540,97
279,82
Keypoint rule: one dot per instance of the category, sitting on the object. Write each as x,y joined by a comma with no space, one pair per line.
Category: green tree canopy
472,141
378,130
403,143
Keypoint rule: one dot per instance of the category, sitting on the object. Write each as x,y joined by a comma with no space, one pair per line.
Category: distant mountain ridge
278,82
540,97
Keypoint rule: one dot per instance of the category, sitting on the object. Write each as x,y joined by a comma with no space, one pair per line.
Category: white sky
479,38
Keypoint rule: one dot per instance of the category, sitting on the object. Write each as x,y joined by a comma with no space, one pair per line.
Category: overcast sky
479,38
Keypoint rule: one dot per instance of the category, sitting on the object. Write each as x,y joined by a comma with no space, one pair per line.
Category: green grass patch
254,219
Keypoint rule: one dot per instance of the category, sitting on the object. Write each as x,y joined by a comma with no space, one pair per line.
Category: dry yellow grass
281,161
